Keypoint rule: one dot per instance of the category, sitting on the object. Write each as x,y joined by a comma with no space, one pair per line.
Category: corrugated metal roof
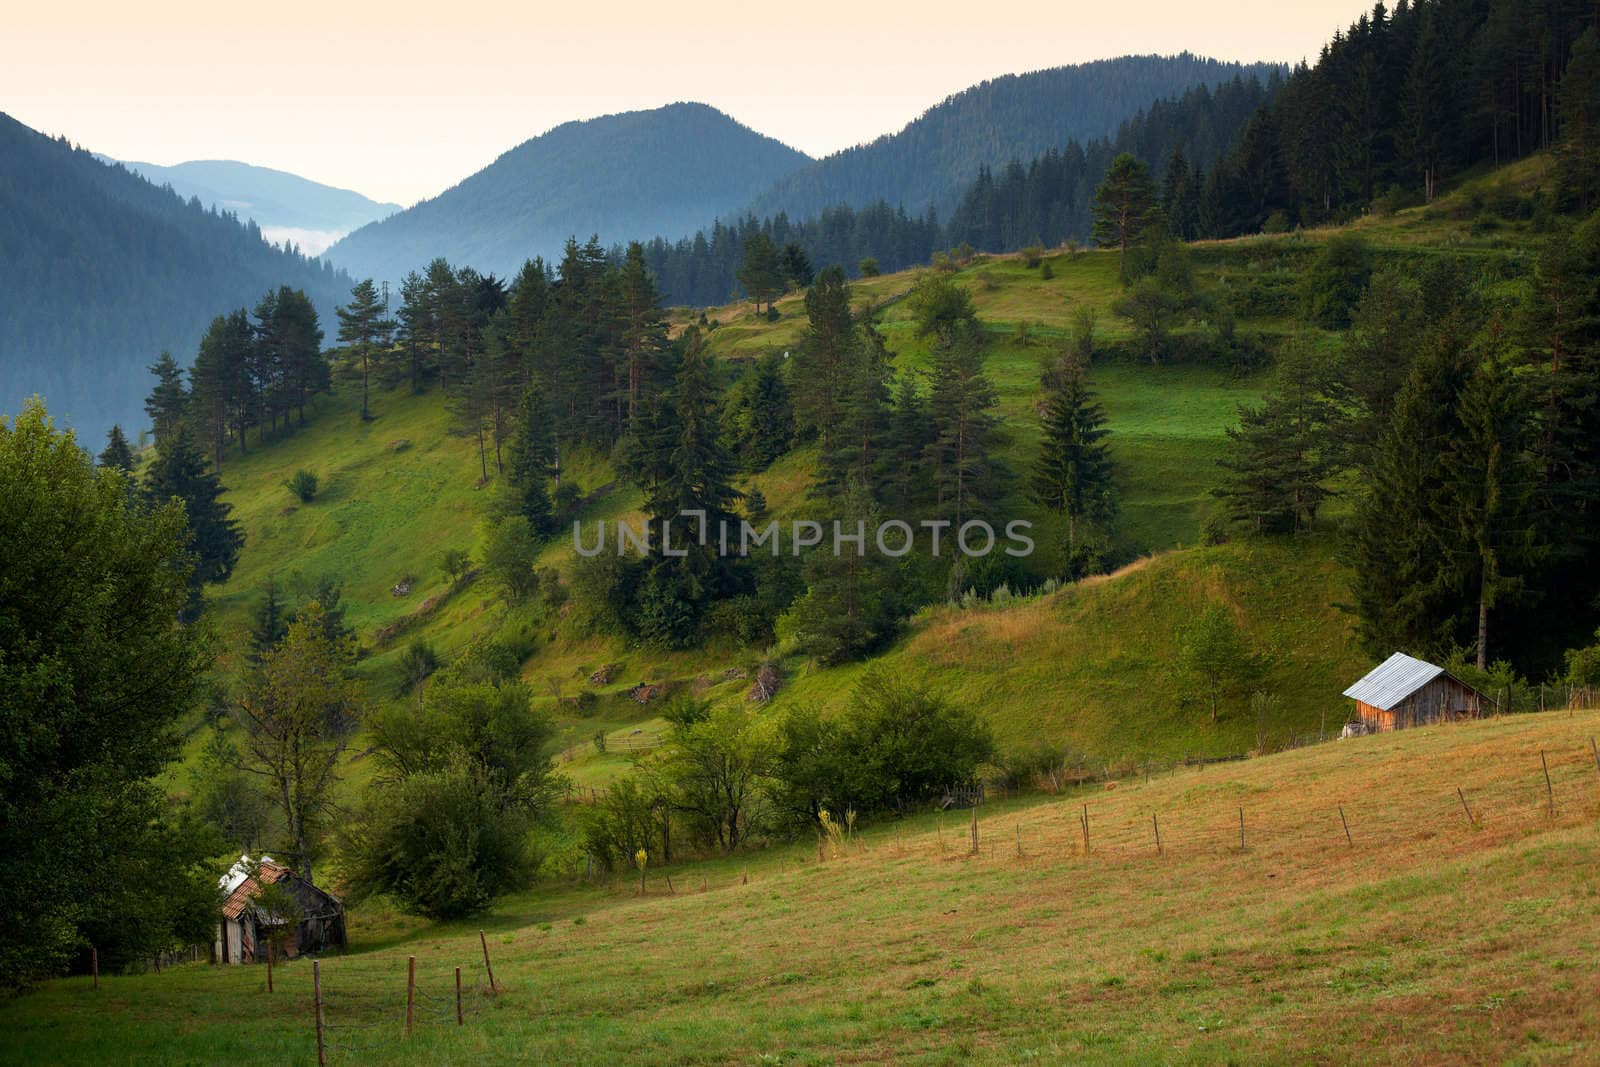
1393,680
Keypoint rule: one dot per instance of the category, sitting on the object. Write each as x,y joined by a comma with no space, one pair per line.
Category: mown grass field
1422,938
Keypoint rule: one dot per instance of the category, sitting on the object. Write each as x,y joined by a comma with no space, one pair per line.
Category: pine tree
849,609
1578,154
761,274
270,623
221,384
168,402
823,363
960,406
1406,589
1125,206
910,433
298,334
534,461
644,330
1491,482
856,451
419,331
692,491
1428,111
117,454
1072,475
365,328
1284,451
180,473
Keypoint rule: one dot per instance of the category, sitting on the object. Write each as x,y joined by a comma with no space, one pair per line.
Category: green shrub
442,842
895,745
303,485
509,553
417,663
1032,256
1333,284
869,267
628,818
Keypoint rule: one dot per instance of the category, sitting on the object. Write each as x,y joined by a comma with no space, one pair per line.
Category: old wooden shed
246,924
1402,692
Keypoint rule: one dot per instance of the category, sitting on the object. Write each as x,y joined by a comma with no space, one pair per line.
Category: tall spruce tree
180,473
1578,155
221,384
534,461
1406,584
762,271
1126,205
365,328
1073,474
117,455
1284,452
856,453
824,362
960,406
1491,480
168,402
644,329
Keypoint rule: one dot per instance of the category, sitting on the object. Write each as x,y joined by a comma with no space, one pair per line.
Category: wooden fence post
411,990
94,963
486,964
974,829
1346,824
1549,790
1157,826
269,966
316,996
1464,807
1085,818
1241,828
458,996
1596,750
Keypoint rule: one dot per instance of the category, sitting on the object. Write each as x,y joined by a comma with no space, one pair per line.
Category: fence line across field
365,1003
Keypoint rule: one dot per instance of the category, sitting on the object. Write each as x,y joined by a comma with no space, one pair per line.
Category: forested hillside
1046,201
101,271
1020,116
668,170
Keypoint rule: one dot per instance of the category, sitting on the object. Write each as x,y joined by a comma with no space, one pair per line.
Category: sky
400,105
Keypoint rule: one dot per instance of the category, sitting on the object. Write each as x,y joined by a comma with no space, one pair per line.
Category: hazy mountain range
287,207
621,176
100,271
101,268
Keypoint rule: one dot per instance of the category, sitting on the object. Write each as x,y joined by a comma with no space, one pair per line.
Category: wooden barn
246,925
1402,692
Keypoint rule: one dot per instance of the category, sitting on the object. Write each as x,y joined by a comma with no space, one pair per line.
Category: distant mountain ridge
931,161
665,170
286,206
100,271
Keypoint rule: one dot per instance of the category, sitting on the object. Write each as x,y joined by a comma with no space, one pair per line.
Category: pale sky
400,105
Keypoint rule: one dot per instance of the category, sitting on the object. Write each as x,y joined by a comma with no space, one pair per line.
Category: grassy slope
1095,665
1424,940
1092,666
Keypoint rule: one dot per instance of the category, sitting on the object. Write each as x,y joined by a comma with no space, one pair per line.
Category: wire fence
366,1003
1219,816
